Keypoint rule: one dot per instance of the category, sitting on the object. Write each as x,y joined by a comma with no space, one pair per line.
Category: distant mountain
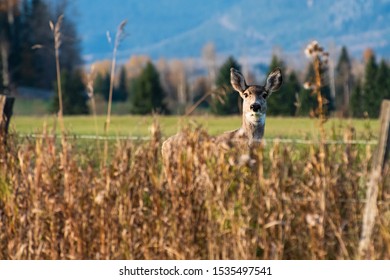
251,28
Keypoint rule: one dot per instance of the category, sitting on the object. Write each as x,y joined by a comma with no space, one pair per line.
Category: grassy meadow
139,126
63,200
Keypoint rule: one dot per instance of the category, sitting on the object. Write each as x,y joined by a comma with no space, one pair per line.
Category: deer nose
255,107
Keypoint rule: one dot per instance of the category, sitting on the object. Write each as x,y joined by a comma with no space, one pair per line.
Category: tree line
27,60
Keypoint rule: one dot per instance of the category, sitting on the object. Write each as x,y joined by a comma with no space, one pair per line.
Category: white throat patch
255,118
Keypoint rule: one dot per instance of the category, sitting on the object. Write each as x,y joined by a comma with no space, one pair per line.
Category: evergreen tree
281,103
308,101
102,85
356,104
9,43
35,65
371,94
231,100
74,98
290,88
383,80
343,82
70,49
26,71
121,92
148,95
43,60
275,105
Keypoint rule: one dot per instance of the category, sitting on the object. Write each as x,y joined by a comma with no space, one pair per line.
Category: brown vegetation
288,202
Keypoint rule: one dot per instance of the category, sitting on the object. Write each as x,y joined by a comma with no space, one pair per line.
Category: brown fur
253,117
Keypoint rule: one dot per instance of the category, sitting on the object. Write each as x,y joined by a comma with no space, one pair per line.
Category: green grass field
138,126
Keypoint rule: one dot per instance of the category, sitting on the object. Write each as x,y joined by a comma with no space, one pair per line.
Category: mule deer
253,113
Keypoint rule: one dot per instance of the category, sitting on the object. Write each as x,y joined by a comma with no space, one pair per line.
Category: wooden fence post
6,105
382,153
379,160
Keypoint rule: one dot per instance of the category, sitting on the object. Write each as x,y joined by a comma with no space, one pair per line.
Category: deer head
253,119
255,101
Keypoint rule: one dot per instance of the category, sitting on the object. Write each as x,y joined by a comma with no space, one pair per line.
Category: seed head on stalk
120,34
320,58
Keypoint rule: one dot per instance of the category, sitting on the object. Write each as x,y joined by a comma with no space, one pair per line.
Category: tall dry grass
282,201
118,37
211,203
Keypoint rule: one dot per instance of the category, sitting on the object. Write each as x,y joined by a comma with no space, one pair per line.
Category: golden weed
208,204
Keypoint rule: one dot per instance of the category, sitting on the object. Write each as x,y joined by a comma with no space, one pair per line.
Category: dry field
285,201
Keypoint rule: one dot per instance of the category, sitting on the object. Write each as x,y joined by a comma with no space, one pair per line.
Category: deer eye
245,94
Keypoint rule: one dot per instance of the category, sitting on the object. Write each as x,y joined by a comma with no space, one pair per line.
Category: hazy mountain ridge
248,27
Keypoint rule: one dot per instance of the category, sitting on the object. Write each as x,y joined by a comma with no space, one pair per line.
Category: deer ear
274,81
237,80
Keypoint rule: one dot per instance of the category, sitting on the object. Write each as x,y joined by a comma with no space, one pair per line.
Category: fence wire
147,138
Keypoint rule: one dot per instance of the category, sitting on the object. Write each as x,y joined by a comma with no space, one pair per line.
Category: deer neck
254,131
